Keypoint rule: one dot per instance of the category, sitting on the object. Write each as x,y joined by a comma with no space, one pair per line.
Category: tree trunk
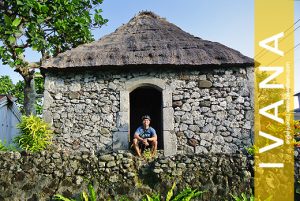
29,95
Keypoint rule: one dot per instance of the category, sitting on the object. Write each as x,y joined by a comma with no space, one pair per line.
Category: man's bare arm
137,136
154,138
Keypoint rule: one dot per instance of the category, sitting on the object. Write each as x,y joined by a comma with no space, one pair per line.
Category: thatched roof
148,39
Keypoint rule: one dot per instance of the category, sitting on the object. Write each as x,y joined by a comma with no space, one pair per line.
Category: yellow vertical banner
274,63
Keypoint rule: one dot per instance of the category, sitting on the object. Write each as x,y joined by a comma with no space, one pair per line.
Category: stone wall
204,110
40,176
213,112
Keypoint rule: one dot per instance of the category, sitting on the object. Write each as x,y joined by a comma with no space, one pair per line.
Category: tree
48,27
6,85
15,90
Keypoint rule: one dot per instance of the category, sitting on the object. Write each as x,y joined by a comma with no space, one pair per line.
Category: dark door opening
146,101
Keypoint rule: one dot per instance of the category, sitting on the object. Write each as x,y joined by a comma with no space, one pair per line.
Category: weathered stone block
167,98
177,97
107,158
205,143
193,142
48,100
124,101
58,96
187,118
186,107
170,143
105,132
48,117
204,84
209,128
189,134
168,116
122,121
74,95
120,140
177,104
75,87
200,150
206,136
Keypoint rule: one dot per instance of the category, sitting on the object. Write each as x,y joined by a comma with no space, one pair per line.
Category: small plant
147,154
154,197
186,195
62,198
298,187
35,134
91,196
4,147
124,198
252,150
243,197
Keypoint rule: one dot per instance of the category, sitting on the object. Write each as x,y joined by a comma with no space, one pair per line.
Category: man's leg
154,147
136,147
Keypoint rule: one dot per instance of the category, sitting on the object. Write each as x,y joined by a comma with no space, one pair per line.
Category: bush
35,134
5,147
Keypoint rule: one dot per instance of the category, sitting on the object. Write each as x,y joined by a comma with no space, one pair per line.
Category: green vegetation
147,154
35,135
252,150
91,196
243,197
6,85
124,198
296,133
47,27
5,147
184,195
2,146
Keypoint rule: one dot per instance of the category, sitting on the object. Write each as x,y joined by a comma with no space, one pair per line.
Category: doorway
146,101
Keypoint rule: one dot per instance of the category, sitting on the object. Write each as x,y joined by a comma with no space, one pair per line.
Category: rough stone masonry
42,175
204,110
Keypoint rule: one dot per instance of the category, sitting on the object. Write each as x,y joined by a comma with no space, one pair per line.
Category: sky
229,22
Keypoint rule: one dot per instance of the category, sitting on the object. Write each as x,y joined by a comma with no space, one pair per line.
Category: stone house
199,93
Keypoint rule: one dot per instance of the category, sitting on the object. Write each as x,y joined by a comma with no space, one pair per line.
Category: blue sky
229,22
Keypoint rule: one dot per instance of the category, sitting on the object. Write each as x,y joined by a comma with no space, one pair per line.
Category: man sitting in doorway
145,135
